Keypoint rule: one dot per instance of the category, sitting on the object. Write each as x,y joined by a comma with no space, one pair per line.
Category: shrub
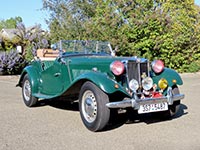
194,66
11,63
29,55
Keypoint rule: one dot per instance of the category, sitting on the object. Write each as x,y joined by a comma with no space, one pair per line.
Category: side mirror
54,46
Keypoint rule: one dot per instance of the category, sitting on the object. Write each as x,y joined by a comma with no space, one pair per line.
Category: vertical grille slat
133,70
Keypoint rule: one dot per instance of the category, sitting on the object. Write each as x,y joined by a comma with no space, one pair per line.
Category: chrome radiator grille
135,70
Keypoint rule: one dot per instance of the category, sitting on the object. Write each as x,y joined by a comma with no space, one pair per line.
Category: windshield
84,47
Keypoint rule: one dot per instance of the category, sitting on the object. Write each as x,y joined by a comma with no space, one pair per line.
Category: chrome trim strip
148,67
139,73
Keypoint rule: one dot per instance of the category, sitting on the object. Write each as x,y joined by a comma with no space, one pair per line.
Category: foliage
29,38
11,63
155,29
6,43
193,67
29,55
10,23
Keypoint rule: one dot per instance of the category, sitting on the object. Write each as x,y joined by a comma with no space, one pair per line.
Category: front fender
33,74
170,75
103,81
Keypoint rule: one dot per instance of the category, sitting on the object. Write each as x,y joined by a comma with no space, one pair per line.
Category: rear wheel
29,100
92,105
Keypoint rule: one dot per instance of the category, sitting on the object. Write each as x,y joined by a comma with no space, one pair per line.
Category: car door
52,79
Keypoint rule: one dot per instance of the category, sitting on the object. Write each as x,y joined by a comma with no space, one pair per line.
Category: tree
167,30
10,23
30,39
6,43
65,18
183,31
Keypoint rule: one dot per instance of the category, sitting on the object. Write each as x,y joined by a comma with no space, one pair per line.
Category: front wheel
173,109
92,105
29,100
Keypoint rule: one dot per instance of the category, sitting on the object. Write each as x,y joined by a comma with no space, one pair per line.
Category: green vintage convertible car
90,73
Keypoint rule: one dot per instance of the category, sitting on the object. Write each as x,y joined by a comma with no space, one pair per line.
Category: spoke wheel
29,100
27,91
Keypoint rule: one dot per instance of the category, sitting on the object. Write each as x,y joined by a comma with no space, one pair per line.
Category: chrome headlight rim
147,83
133,85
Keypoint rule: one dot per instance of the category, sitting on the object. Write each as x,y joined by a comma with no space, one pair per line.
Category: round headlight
147,83
162,83
157,66
117,67
133,85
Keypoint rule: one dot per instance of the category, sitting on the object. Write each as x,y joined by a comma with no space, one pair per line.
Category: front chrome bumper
135,103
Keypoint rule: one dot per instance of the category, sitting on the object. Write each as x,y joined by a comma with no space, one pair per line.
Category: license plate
147,108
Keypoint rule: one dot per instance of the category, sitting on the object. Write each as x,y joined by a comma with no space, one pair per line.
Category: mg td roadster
90,73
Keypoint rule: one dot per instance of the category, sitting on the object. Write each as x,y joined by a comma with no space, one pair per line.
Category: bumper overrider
135,103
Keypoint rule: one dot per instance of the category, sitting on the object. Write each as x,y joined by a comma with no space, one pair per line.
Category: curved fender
169,75
103,82
33,76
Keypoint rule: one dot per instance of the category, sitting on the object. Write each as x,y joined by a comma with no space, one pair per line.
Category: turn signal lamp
162,83
174,81
117,67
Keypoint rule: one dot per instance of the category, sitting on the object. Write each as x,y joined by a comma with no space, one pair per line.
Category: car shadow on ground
117,120
132,117
157,117
59,104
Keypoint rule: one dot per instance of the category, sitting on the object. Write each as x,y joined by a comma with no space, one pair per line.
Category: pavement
58,126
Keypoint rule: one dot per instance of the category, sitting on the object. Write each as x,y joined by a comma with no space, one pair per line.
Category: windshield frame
83,48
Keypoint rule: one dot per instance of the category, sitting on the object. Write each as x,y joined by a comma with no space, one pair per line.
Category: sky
197,2
29,11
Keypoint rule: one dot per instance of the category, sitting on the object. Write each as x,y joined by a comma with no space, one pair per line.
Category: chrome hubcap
89,106
27,90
